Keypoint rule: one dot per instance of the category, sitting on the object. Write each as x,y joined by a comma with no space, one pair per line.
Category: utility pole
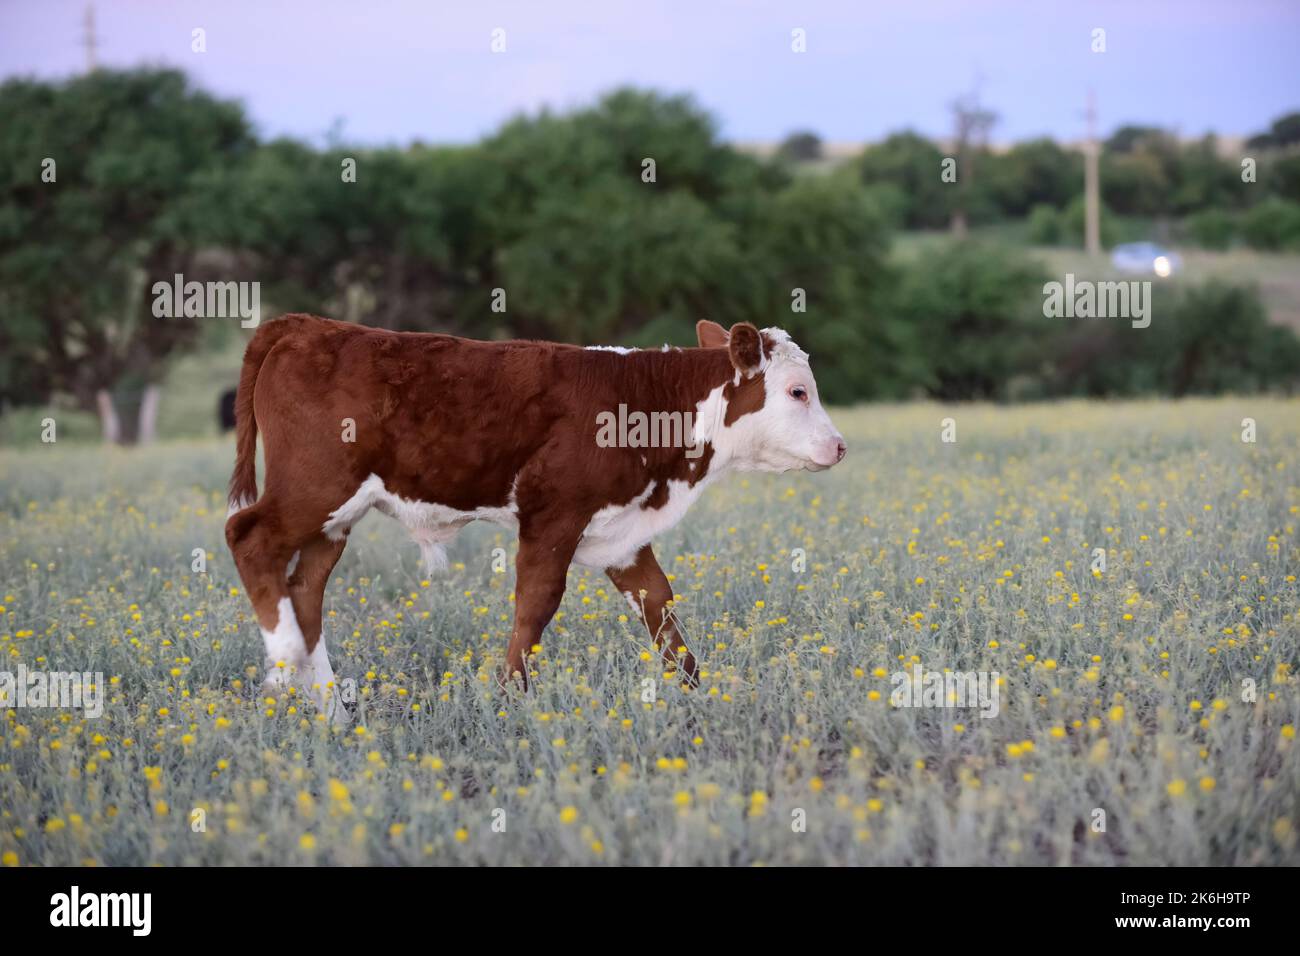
88,40
1091,182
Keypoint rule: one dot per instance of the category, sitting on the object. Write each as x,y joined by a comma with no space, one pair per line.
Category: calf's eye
799,393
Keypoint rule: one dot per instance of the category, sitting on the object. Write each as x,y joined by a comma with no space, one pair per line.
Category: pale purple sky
397,70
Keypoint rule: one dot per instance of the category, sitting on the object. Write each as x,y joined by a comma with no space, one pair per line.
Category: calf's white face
792,430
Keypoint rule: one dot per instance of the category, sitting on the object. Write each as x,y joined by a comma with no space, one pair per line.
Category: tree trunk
128,417
148,422
110,426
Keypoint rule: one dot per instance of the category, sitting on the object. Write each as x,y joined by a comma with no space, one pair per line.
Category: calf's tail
243,482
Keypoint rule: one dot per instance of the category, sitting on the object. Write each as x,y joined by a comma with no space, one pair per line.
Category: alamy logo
974,689
626,429
65,689
103,909
208,300
1085,299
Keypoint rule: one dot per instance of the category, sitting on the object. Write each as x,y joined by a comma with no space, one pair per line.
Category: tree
617,216
81,245
971,125
1273,224
976,311
1283,176
595,266
800,147
559,212
1135,184
815,260
1202,180
913,164
1032,173
368,235
1132,138
1284,132
1147,172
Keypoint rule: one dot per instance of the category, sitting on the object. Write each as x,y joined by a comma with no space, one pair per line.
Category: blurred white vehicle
1146,258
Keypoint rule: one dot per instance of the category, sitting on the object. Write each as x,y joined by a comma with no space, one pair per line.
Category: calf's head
773,420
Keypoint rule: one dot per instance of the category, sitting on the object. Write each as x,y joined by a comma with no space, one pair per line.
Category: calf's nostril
840,451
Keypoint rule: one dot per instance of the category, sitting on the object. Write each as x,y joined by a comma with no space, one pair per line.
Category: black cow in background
226,410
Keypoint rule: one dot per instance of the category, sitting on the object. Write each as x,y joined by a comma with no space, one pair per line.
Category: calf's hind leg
267,552
540,570
316,559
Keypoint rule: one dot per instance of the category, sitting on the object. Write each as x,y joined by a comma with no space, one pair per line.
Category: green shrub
1044,225
1072,225
974,314
1211,228
1205,339
1218,338
1273,224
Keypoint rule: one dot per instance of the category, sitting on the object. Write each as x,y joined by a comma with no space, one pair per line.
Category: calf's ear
746,348
710,334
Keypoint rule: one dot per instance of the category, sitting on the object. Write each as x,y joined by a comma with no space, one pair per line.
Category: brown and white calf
438,431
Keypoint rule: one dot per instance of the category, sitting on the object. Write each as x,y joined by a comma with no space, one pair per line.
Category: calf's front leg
646,588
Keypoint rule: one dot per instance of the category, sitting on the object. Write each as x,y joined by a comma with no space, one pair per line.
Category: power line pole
88,39
1092,182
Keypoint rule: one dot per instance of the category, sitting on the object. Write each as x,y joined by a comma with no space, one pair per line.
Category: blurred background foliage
155,177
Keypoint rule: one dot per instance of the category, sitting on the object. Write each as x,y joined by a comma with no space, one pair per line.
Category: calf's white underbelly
611,539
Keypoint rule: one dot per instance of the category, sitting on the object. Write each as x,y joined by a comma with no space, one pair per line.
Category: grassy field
1125,691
